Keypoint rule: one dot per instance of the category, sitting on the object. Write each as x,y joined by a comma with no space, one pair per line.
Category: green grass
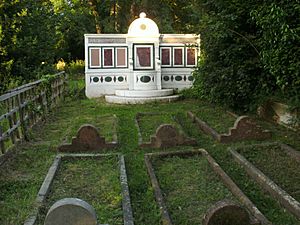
265,157
95,181
216,117
22,176
149,123
202,187
20,180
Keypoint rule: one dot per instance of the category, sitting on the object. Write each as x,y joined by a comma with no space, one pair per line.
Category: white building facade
140,64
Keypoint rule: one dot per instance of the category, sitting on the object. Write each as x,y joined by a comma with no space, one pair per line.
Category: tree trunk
93,7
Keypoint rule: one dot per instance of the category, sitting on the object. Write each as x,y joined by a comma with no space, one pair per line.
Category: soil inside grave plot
189,186
95,181
148,124
217,118
275,163
106,124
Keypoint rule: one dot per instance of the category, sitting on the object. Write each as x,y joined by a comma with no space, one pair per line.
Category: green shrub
249,52
75,68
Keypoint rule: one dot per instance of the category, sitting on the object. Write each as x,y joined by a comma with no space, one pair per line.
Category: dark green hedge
250,52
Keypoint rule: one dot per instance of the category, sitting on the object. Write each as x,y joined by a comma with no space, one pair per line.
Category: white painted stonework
141,62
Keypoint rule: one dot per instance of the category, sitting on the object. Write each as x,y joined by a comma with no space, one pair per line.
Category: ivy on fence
23,107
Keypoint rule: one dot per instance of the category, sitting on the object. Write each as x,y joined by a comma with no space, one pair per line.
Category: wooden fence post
22,115
10,120
2,147
15,117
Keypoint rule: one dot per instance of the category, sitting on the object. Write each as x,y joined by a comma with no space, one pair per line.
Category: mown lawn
22,176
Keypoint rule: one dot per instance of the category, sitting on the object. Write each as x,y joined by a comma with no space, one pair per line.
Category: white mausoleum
140,66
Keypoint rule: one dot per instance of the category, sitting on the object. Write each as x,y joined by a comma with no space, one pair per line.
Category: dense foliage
250,52
27,40
250,49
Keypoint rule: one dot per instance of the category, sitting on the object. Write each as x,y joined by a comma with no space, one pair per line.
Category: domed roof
143,27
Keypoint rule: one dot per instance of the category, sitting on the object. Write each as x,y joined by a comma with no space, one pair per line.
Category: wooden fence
24,106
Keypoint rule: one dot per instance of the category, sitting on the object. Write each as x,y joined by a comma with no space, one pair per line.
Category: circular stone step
144,93
139,100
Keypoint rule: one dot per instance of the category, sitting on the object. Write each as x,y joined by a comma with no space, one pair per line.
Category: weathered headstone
87,139
245,128
89,135
71,211
226,212
166,136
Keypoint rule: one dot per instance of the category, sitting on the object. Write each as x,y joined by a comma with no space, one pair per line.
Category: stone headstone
87,139
226,212
89,135
245,128
167,135
71,211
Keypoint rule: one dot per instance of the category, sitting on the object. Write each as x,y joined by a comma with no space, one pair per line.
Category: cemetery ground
180,178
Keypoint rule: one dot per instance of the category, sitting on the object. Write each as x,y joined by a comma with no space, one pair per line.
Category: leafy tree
74,19
230,71
27,40
249,49
279,42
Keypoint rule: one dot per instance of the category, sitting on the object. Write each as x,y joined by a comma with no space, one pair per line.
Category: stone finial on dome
143,27
142,15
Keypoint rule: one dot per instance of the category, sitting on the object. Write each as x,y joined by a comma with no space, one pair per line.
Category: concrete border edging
266,183
45,188
126,203
166,219
256,216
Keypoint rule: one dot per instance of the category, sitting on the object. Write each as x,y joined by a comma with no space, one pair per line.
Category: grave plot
275,167
159,130
98,179
227,127
101,135
191,188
